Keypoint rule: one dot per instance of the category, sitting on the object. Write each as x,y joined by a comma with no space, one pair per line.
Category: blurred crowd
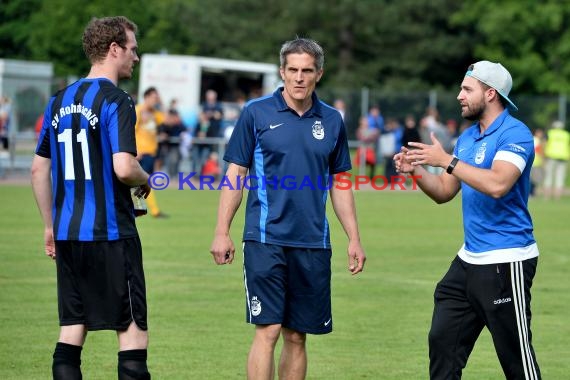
165,141
552,153
380,138
5,117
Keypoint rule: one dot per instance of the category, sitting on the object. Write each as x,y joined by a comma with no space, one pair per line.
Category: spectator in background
557,154
463,126
209,125
390,143
430,123
170,137
537,171
375,119
241,99
185,145
173,105
5,119
340,106
212,166
452,130
411,132
367,137
376,122
228,133
38,125
200,150
149,117
214,113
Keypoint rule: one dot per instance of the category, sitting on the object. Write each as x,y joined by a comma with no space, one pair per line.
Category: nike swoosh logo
271,126
328,322
461,150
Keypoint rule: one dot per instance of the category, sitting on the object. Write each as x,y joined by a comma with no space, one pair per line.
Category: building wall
28,86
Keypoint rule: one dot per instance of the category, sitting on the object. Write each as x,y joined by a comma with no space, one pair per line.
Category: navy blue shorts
289,286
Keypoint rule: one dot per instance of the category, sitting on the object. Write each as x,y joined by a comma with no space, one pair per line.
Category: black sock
66,362
132,365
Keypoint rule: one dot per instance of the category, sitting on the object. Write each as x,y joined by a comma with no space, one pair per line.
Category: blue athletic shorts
289,286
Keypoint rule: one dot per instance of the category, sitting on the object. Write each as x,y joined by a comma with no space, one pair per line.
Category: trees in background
531,38
395,45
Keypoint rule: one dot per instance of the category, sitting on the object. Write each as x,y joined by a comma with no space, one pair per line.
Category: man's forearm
439,187
345,210
230,199
41,186
137,177
128,169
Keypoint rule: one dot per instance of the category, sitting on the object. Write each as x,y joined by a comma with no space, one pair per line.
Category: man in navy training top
489,282
291,143
87,147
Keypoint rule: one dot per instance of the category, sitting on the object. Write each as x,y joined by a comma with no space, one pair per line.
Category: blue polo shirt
497,230
291,160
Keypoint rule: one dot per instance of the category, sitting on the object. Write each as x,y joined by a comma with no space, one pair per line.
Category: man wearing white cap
488,283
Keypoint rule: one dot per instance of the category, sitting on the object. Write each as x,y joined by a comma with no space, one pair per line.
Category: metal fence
535,111
18,160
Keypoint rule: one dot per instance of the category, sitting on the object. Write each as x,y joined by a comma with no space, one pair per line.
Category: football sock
66,362
132,365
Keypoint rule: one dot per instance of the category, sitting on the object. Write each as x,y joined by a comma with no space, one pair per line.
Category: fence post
221,153
562,108
433,99
364,105
364,100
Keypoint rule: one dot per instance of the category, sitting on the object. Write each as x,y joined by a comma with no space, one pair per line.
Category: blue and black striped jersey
84,125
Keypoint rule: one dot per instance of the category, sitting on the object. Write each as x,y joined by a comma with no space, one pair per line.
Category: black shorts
101,284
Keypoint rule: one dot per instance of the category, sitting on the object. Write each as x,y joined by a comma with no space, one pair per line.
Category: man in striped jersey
489,282
82,175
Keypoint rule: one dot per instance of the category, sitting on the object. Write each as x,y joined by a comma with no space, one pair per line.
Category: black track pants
470,297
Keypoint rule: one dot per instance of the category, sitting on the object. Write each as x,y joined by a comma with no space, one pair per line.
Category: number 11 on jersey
67,139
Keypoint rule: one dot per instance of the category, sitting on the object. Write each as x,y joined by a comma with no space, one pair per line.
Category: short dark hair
503,101
100,33
303,45
149,91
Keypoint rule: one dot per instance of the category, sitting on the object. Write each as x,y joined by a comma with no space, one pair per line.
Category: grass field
196,309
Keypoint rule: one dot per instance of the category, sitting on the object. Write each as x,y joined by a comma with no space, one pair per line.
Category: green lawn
196,309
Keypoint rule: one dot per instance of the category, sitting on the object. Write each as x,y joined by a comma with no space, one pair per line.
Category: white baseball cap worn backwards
494,75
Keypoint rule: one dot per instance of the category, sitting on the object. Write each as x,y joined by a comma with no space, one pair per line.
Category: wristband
452,164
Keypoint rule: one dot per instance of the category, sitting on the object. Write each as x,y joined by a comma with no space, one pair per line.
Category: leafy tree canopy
394,45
